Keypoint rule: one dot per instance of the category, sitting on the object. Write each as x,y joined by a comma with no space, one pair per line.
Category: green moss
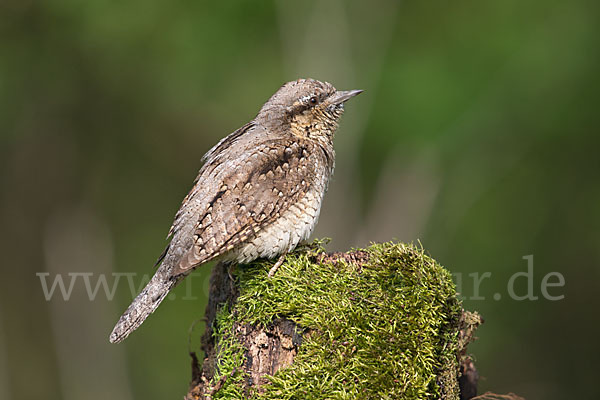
386,329
230,356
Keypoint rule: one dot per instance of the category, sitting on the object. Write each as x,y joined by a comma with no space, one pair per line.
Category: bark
267,349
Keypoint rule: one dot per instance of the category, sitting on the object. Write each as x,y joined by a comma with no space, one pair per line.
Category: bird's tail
144,304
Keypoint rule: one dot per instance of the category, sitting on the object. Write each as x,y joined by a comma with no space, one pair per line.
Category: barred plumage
258,193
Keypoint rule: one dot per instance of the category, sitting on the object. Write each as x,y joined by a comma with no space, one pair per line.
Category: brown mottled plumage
258,193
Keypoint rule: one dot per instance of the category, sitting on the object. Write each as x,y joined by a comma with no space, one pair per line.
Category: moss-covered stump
378,323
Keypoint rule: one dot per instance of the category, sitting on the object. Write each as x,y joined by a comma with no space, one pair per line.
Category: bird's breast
292,227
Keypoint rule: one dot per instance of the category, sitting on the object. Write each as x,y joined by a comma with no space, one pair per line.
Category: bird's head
310,108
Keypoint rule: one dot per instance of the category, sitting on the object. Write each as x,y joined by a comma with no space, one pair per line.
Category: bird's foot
275,267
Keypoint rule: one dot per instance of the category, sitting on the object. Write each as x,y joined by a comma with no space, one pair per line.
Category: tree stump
383,322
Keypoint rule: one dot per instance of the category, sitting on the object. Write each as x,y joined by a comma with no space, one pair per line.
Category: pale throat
314,125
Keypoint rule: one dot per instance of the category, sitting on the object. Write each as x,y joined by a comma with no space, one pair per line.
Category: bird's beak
342,96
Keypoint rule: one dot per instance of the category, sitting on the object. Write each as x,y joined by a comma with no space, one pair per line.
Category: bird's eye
313,100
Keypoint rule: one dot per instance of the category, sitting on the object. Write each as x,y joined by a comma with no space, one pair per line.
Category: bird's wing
258,187
210,161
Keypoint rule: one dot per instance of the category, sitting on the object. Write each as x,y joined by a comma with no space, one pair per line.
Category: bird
258,192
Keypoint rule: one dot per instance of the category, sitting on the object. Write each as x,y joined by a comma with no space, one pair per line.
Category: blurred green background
477,134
